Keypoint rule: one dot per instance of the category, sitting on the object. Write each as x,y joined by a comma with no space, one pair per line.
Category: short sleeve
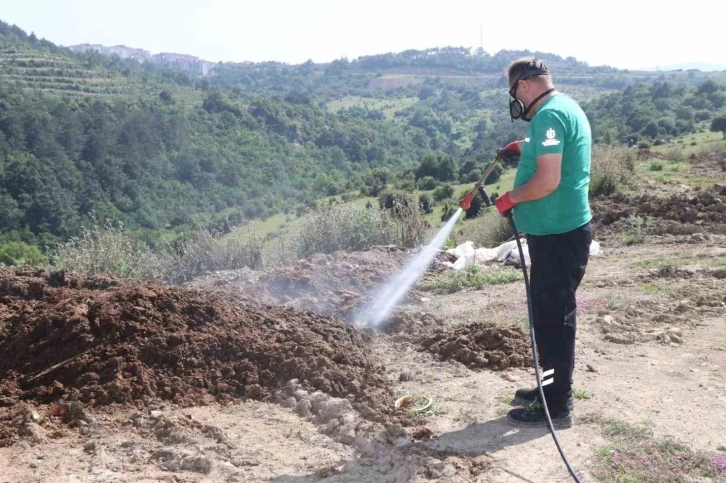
549,133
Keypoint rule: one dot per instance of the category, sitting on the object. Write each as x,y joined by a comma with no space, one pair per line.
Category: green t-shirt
558,126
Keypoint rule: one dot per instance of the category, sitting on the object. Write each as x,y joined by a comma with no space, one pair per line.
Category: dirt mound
328,284
678,272
135,343
707,164
411,325
678,214
481,345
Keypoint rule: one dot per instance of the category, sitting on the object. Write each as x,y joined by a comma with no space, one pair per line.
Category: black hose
534,348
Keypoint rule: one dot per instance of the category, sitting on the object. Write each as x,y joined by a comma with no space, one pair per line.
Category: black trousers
558,264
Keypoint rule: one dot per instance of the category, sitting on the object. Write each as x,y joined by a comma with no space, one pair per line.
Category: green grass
704,141
651,287
276,222
472,277
388,106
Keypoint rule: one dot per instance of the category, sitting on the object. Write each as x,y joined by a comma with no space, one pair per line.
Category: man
550,205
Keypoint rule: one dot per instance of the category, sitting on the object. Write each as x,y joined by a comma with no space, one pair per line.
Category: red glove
513,146
504,204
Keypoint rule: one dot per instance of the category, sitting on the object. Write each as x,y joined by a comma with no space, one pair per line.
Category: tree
718,124
651,130
476,206
708,87
447,169
166,97
429,167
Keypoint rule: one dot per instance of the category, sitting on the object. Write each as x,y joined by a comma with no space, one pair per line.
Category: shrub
489,230
443,192
427,183
17,253
426,203
611,168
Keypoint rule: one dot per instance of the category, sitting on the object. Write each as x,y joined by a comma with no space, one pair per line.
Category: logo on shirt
551,141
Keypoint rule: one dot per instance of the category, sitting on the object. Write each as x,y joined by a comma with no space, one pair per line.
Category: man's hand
513,147
510,153
504,204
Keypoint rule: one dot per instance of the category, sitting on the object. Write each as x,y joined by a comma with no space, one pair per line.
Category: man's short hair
527,67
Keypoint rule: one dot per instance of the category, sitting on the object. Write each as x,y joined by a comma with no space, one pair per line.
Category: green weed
473,276
636,231
635,455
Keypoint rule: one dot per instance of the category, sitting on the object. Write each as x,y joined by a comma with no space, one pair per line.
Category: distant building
187,63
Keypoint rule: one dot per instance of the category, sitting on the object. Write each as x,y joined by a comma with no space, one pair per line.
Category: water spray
392,293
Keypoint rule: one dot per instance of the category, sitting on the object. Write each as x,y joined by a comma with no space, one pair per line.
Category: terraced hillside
40,66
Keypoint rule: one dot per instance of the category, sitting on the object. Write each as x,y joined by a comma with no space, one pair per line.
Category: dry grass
205,251
109,250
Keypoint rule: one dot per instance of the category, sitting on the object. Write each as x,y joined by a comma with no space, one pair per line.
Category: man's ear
524,86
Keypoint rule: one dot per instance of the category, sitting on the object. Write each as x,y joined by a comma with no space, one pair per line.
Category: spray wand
465,201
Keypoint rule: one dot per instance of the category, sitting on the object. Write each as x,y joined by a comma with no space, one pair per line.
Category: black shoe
533,415
526,396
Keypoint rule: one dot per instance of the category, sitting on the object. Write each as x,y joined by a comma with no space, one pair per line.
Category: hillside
162,149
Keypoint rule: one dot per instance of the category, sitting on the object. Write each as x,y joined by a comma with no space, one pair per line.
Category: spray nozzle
465,202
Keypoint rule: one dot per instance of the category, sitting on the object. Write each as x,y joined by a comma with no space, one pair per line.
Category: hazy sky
322,30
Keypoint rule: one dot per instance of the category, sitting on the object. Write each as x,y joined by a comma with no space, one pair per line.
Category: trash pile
505,254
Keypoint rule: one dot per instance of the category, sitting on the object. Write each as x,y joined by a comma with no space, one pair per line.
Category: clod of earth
60,339
411,325
480,345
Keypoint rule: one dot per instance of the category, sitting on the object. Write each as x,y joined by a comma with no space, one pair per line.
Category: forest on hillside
259,139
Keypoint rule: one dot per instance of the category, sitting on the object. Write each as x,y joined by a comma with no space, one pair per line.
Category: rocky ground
257,376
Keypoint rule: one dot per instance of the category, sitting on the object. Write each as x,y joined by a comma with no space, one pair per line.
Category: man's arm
544,181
